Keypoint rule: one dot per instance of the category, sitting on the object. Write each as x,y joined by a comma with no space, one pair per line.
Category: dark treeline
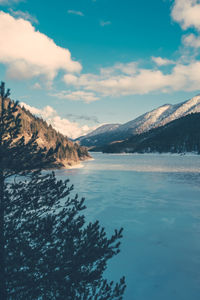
47,249
179,136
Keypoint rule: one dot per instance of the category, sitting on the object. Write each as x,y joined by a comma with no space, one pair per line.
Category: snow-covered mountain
153,119
178,136
161,116
101,129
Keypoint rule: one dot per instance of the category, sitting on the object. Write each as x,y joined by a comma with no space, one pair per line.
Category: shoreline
76,165
153,154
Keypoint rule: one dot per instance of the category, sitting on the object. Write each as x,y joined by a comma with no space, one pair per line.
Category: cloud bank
76,96
186,13
184,77
27,52
62,125
124,79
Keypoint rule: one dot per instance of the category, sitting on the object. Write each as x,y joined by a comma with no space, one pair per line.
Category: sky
83,63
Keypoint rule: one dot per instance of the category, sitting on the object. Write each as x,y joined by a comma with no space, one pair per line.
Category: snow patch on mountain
161,116
146,121
102,129
183,109
155,118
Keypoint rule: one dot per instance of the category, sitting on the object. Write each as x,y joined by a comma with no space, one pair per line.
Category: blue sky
82,63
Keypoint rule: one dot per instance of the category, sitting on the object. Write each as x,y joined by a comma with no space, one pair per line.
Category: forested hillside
68,153
158,117
179,136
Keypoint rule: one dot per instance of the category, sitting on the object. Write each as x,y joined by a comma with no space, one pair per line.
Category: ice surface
156,198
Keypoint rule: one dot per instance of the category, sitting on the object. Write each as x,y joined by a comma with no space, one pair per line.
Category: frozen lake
156,199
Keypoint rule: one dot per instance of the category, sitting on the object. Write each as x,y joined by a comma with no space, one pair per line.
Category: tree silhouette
52,251
47,251
16,157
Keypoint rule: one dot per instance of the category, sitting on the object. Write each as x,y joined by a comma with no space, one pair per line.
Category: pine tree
16,157
51,252
46,249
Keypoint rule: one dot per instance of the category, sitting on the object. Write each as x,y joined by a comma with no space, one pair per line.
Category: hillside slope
99,130
179,136
153,119
68,153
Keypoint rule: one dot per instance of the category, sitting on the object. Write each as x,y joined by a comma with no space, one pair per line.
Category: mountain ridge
143,123
178,136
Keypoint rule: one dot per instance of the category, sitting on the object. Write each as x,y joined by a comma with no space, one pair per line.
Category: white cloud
6,2
70,78
187,13
162,61
45,113
185,77
36,86
24,15
77,96
105,23
75,12
62,125
191,40
126,68
28,53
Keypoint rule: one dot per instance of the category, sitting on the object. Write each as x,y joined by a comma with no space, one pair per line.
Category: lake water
156,199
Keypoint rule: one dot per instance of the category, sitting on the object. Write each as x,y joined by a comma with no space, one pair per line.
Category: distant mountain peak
100,130
152,119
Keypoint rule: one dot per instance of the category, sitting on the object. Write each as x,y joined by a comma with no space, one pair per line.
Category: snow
161,116
102,129
155,118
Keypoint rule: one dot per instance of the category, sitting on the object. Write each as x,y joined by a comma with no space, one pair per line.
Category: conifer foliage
54,253
16,158
47,250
